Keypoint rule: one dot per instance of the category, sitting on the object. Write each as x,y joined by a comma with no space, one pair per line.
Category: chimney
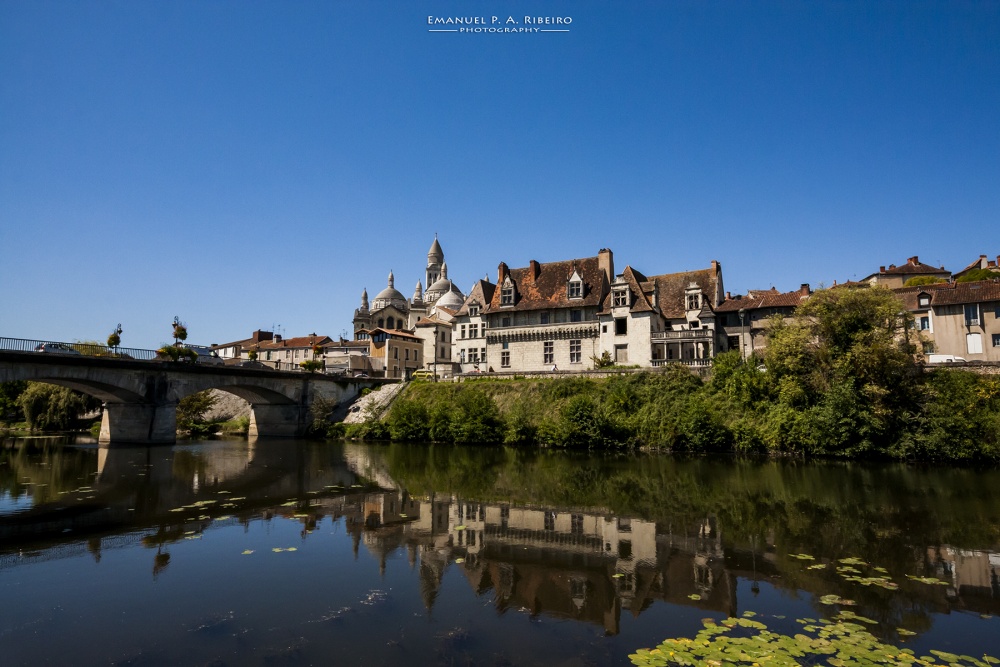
881,269
502,272
277,338
715,266
728,296
535,268
913,261
606,263
892,266
804,289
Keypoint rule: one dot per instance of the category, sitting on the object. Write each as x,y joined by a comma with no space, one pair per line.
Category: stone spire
435,255
392,279
364,300
444,270
418,293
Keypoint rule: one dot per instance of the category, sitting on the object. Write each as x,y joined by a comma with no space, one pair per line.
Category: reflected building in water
573,564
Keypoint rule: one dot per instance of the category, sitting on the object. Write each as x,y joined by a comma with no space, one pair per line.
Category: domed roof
440,289
390,296
450,300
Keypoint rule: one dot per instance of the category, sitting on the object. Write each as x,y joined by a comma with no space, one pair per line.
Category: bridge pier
139,423
278,420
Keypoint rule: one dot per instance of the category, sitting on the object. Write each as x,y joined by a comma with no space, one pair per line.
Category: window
461,331
550,521
482,351
407,355
576,524
575,347
695,324
974,343
694,302
461,356
543,318
971,314
621,326
391,323
507,295
395,353
473,331
576,316
548,352
505,358
474,311
925,323
996,340
575,290
924,300
621,298
505,322
604,328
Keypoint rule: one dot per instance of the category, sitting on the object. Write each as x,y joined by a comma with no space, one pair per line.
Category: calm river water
304,553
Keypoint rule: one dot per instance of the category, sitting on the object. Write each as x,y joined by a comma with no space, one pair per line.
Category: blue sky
249,164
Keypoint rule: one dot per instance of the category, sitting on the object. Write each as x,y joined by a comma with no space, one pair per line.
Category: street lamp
743,343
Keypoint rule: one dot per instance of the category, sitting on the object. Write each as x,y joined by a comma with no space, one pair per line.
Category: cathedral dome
390,296
441,288
452,300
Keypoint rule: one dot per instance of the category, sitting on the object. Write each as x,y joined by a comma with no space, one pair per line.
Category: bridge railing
87,349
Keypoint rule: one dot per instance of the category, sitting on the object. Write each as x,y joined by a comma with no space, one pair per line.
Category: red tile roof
671,287
542,286
299,341
948,294
481,293
758,299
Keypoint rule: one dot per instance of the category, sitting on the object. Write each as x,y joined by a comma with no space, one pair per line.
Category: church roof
435,254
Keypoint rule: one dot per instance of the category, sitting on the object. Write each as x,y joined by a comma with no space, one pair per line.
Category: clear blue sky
245,164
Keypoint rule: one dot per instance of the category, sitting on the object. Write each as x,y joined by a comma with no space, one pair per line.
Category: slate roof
913,267
543,286
948,294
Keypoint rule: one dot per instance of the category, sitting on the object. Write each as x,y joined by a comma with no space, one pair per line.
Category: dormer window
694,301
507,293
620,298
574,287
473,311
924,300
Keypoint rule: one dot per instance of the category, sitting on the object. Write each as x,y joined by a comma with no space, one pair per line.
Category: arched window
381,323
391,322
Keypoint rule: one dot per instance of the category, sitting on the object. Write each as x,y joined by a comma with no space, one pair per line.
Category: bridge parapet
140,397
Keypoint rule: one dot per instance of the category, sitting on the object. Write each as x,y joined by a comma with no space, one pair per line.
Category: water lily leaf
694,596
459,527
459,560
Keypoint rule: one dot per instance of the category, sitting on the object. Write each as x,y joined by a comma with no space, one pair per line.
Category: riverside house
960,319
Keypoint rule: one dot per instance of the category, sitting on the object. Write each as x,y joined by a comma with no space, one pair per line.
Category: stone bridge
140,397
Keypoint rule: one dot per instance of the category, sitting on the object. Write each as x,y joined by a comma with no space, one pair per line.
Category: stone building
391,310
469,350
960,319
896,276
545,316
742,320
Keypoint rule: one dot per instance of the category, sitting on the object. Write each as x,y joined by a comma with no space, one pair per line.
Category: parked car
422,374
55,348
206,355
944,359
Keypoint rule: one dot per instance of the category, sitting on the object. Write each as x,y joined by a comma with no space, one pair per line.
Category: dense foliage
838,379
47,407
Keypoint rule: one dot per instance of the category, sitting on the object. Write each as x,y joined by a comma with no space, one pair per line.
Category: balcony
688,334
536,332
694,363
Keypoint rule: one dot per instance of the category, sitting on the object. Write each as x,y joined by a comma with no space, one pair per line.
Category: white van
944,359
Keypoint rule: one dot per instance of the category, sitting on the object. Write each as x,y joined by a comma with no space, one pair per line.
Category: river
288,552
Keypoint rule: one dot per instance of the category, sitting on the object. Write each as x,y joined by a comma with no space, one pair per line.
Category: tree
9,393
923,280
847,358
191,410
47,407
978,274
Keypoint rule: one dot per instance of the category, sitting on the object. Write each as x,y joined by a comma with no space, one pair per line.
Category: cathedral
391,310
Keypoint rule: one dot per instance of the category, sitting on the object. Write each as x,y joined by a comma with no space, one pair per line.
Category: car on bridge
206,355
55,348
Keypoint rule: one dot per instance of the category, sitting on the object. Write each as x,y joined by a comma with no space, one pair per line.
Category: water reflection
589,539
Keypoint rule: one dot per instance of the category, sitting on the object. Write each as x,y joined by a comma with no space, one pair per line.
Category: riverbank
945,415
